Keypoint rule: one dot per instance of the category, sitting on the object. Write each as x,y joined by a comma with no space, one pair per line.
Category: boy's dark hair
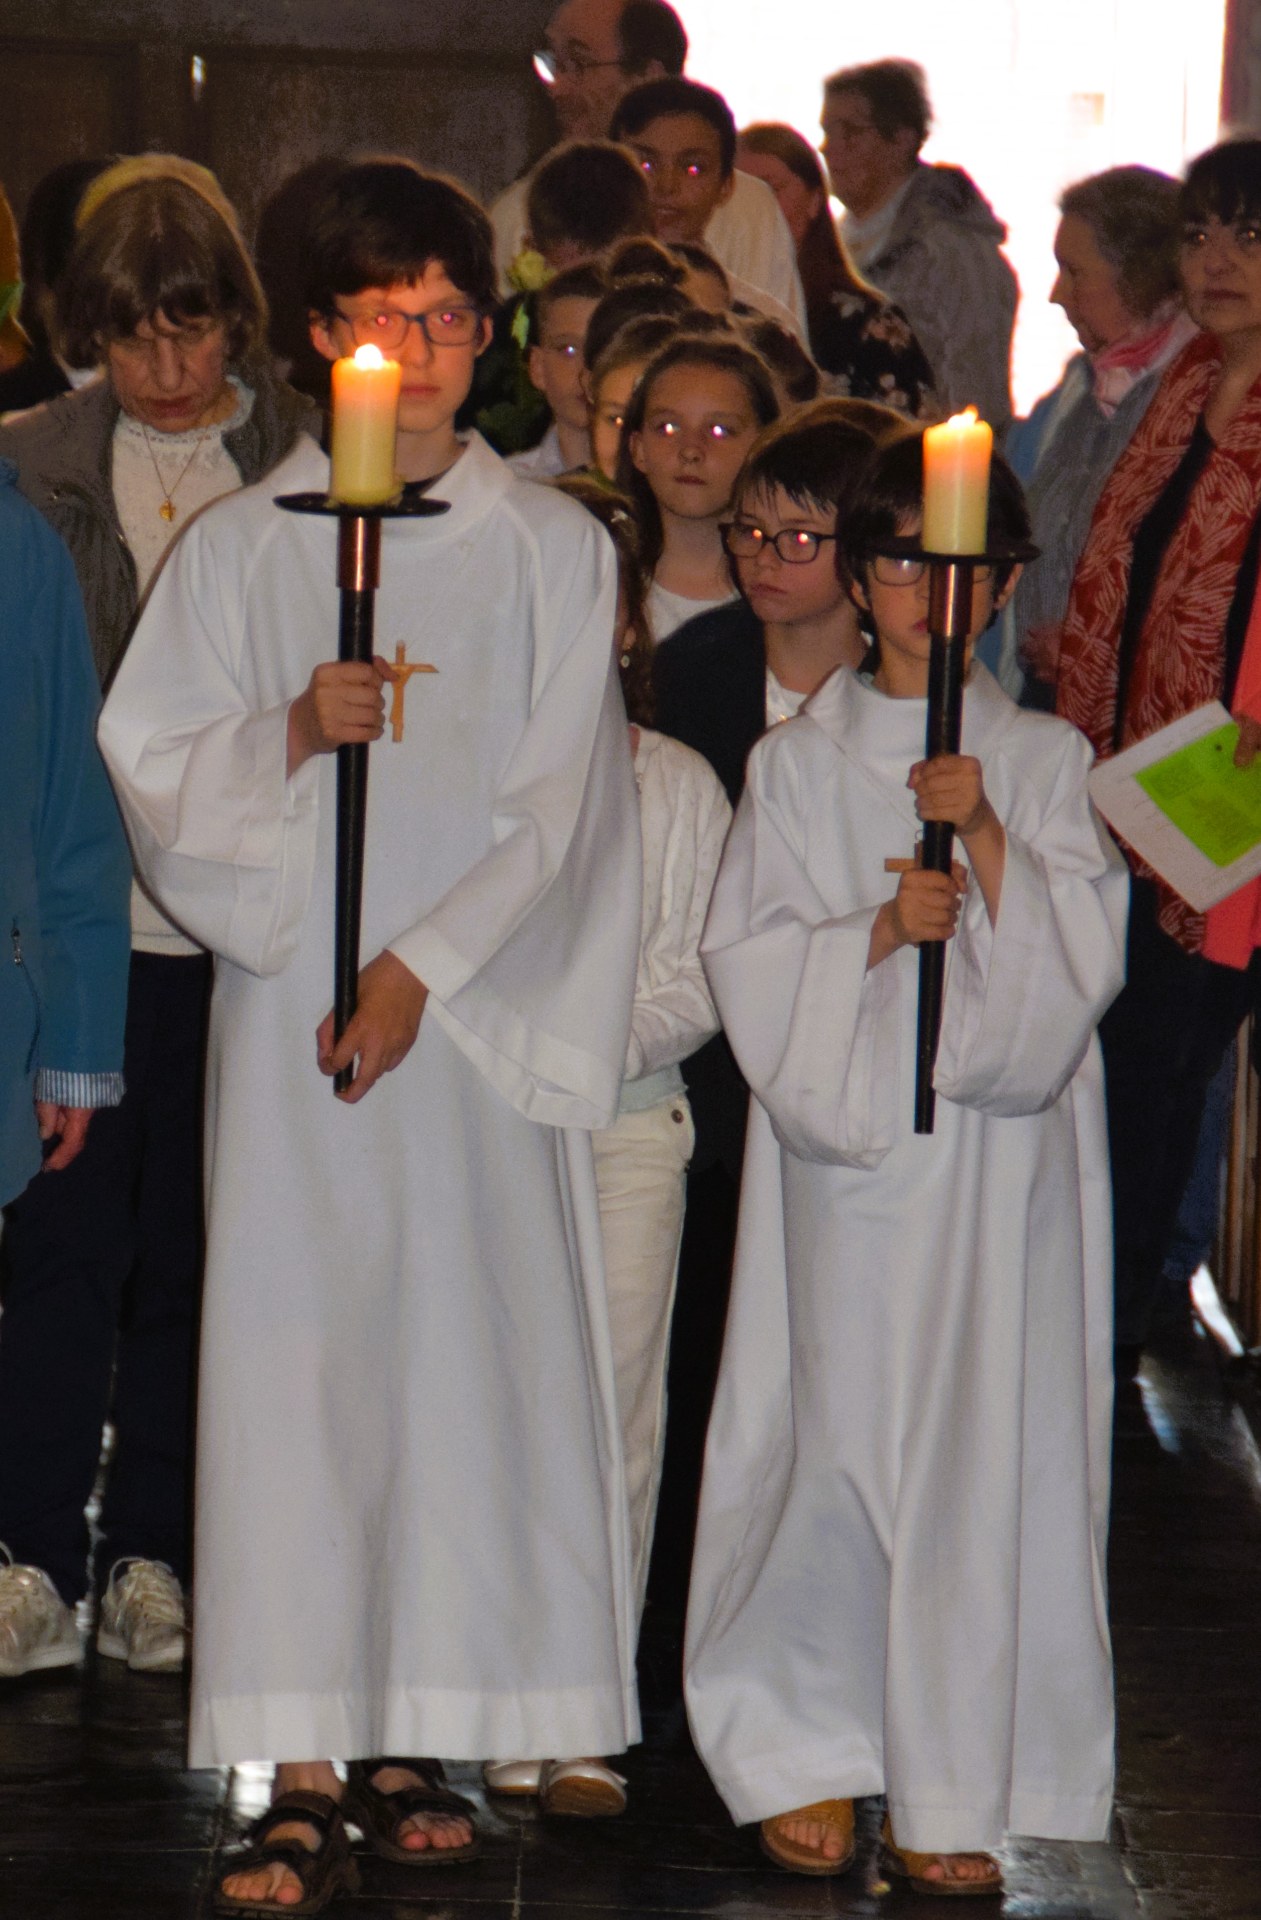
721,351
783,354
617,516
588,194
631,301
704,323
639,339
668,99
896,92
1224,183
698,259
382,221
650,30
889,491
586,281
158,246
643,259
815,457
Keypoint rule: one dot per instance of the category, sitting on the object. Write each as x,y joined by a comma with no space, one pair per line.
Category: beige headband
139,168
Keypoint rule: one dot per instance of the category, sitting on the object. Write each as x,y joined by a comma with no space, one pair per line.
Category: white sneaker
142,1617
37,1628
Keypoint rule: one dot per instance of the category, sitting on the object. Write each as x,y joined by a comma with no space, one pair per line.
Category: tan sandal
380,1816
836,1815
322,1872
914,1866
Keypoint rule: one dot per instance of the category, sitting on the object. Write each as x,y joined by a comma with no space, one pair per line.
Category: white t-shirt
667,611
781,702
544,462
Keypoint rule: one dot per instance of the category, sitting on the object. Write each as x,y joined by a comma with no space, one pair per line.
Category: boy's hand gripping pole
358,572
949,622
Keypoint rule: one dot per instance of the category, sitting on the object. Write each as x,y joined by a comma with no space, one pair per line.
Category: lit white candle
365,427
957,484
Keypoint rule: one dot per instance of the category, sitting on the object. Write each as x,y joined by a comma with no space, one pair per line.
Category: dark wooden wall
285,82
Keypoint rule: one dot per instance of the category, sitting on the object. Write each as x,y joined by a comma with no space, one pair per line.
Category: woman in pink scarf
1157,624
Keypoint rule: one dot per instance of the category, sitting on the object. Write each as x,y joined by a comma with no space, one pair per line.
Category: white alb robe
899,1574
411,1526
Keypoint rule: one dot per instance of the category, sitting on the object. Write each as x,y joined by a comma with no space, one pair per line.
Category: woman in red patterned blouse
1156,625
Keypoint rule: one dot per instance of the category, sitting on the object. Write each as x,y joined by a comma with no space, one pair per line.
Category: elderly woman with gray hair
1116,250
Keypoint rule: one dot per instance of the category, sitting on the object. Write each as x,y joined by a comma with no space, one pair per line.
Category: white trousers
640,1165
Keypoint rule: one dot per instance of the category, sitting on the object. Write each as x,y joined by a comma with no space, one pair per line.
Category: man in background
595,51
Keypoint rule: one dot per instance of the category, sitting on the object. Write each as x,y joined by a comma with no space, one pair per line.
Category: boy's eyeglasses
442,327
796,546
896,570
550,67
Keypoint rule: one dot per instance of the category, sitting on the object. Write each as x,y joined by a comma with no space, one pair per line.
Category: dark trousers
101,1290
1163,1039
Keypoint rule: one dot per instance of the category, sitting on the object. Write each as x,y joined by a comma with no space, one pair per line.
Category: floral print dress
866,350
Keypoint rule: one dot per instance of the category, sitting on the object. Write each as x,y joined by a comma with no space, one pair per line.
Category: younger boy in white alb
899,1576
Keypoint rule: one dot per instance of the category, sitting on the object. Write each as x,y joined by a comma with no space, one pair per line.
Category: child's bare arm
950,787
343,704
925,907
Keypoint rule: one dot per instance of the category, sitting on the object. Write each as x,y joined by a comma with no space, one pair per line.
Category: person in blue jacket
65,878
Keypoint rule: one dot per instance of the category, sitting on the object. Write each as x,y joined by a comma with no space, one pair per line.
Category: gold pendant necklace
167,508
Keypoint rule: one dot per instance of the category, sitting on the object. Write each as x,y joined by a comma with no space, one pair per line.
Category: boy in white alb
899,1585
411,1524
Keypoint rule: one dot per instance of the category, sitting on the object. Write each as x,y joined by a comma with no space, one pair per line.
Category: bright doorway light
1027,97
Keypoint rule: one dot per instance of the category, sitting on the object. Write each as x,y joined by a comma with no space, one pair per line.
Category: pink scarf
1118,369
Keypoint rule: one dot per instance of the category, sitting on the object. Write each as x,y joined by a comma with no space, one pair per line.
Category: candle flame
373,357
968,418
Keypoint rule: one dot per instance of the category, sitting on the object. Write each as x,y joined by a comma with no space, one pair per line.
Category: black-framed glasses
549,67
796,546
900,570
441,326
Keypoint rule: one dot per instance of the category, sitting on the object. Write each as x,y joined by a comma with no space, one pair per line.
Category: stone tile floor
99,1820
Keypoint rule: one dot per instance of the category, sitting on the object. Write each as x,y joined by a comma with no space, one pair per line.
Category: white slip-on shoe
517,1779
142,1617
583,1789
37,1628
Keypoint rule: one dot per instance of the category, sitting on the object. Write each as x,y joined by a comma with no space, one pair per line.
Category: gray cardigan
63,452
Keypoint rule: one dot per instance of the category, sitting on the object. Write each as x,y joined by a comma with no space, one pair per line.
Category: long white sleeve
684,817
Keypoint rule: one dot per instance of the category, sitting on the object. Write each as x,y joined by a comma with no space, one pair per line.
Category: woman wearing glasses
159,294
1159,621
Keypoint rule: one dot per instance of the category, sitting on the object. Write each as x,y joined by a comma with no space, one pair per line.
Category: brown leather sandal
913,1866
838,1815
380,1815
323,1872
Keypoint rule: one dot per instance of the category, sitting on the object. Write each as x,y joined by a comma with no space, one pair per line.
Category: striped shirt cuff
78,1089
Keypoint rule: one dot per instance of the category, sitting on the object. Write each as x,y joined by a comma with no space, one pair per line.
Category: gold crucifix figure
401,673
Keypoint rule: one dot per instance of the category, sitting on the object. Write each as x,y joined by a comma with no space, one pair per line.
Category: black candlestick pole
358,572
949,621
